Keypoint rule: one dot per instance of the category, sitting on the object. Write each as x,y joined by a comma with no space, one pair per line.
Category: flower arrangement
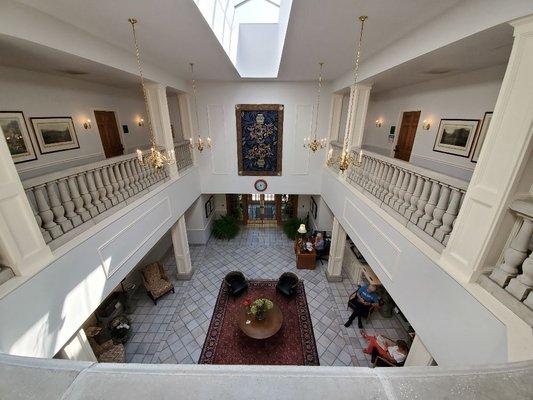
258,308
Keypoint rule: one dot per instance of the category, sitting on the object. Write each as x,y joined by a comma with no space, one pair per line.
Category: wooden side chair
156,282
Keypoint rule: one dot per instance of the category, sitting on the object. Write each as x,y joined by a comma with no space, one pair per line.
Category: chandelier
316,144
346,158
200,144
156,158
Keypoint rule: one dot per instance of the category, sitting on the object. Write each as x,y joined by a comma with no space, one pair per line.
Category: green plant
225,227
291,227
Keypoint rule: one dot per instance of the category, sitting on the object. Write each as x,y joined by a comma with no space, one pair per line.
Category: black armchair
287,284
323,255
236,283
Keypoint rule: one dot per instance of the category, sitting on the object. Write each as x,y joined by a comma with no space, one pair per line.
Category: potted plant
225,227
258,308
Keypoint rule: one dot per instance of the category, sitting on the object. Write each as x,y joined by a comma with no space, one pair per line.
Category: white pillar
156,94
484,223
335,117
78,349
336,252
187,126
22,246
360,105
418,355
181,249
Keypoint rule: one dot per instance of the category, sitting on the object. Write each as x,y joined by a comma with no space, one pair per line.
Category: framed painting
314,208
456,136
55,134
209,206
259,139
481,136
17,136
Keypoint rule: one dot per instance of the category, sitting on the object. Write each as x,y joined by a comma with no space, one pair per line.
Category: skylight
225,18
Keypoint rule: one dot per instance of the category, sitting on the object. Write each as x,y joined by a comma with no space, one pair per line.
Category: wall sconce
140,122
87,124
379,122
426,124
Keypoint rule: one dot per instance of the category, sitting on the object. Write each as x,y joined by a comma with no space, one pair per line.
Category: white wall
198,226
175,117
324,216
463,96
42,95
301,168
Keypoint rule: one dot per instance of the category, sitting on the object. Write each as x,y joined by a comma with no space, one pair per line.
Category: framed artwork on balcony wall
456,136
314,208
209,206
481,135
259,139
55,134
17,136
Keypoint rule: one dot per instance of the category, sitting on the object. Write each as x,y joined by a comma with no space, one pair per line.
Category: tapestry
259,138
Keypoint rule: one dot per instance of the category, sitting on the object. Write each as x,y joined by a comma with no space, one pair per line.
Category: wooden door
406,137
108,128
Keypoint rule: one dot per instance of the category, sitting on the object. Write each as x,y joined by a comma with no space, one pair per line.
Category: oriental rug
293,344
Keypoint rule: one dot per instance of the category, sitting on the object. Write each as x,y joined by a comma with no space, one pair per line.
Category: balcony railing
67,202
512,280
183,155
426,202
336,148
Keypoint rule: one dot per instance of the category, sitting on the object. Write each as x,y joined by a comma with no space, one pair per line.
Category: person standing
365,298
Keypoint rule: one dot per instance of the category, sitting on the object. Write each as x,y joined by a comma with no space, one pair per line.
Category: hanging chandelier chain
133,21
195,100
318,97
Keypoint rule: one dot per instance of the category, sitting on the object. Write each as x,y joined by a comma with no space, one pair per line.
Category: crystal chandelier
156,159
200,144
316,144
346,158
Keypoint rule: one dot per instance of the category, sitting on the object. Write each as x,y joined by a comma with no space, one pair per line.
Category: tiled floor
174,330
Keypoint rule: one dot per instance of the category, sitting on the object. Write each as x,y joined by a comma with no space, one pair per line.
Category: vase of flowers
258,308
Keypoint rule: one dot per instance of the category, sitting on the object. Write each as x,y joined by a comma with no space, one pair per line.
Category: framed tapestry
481,136
259,138
55,134
456,136
17,136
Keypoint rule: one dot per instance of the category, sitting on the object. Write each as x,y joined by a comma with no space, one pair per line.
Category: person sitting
365,299
395,352
319,242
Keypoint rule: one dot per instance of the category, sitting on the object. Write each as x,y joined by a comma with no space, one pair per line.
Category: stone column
360,109
336,252
77,349
160,116
181,249
484,222
418,355
22,246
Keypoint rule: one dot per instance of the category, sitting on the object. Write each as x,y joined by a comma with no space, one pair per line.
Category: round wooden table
260,329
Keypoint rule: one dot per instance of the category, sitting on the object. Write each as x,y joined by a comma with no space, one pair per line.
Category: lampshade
302,229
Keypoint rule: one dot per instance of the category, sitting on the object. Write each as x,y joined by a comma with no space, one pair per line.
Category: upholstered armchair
156,282
287,284
236,283
106,351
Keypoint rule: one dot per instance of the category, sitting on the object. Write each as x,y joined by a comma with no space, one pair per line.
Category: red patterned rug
294,344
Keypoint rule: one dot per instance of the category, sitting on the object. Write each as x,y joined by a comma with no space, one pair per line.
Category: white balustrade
65,201
336,151
425,201
183,153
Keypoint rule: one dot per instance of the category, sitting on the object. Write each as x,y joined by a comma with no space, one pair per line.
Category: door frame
399,126
119,129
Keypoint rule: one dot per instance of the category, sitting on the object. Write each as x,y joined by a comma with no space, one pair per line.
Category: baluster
129,175
98,177
46,235
77,200
127,184
439,210
515,255
430,205
390,190
149,174
521,286
421,203
120,181
449,216
369,174
114,184
378,167
387,182
84,193
47,216
57,208
364,171
68,204
93,191
135,177
142,174
396,190
408,194
382,180
401,191
415,197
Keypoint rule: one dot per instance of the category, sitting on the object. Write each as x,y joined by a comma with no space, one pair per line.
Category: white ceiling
173,32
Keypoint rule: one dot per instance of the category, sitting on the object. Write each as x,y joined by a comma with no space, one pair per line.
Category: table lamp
302,229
